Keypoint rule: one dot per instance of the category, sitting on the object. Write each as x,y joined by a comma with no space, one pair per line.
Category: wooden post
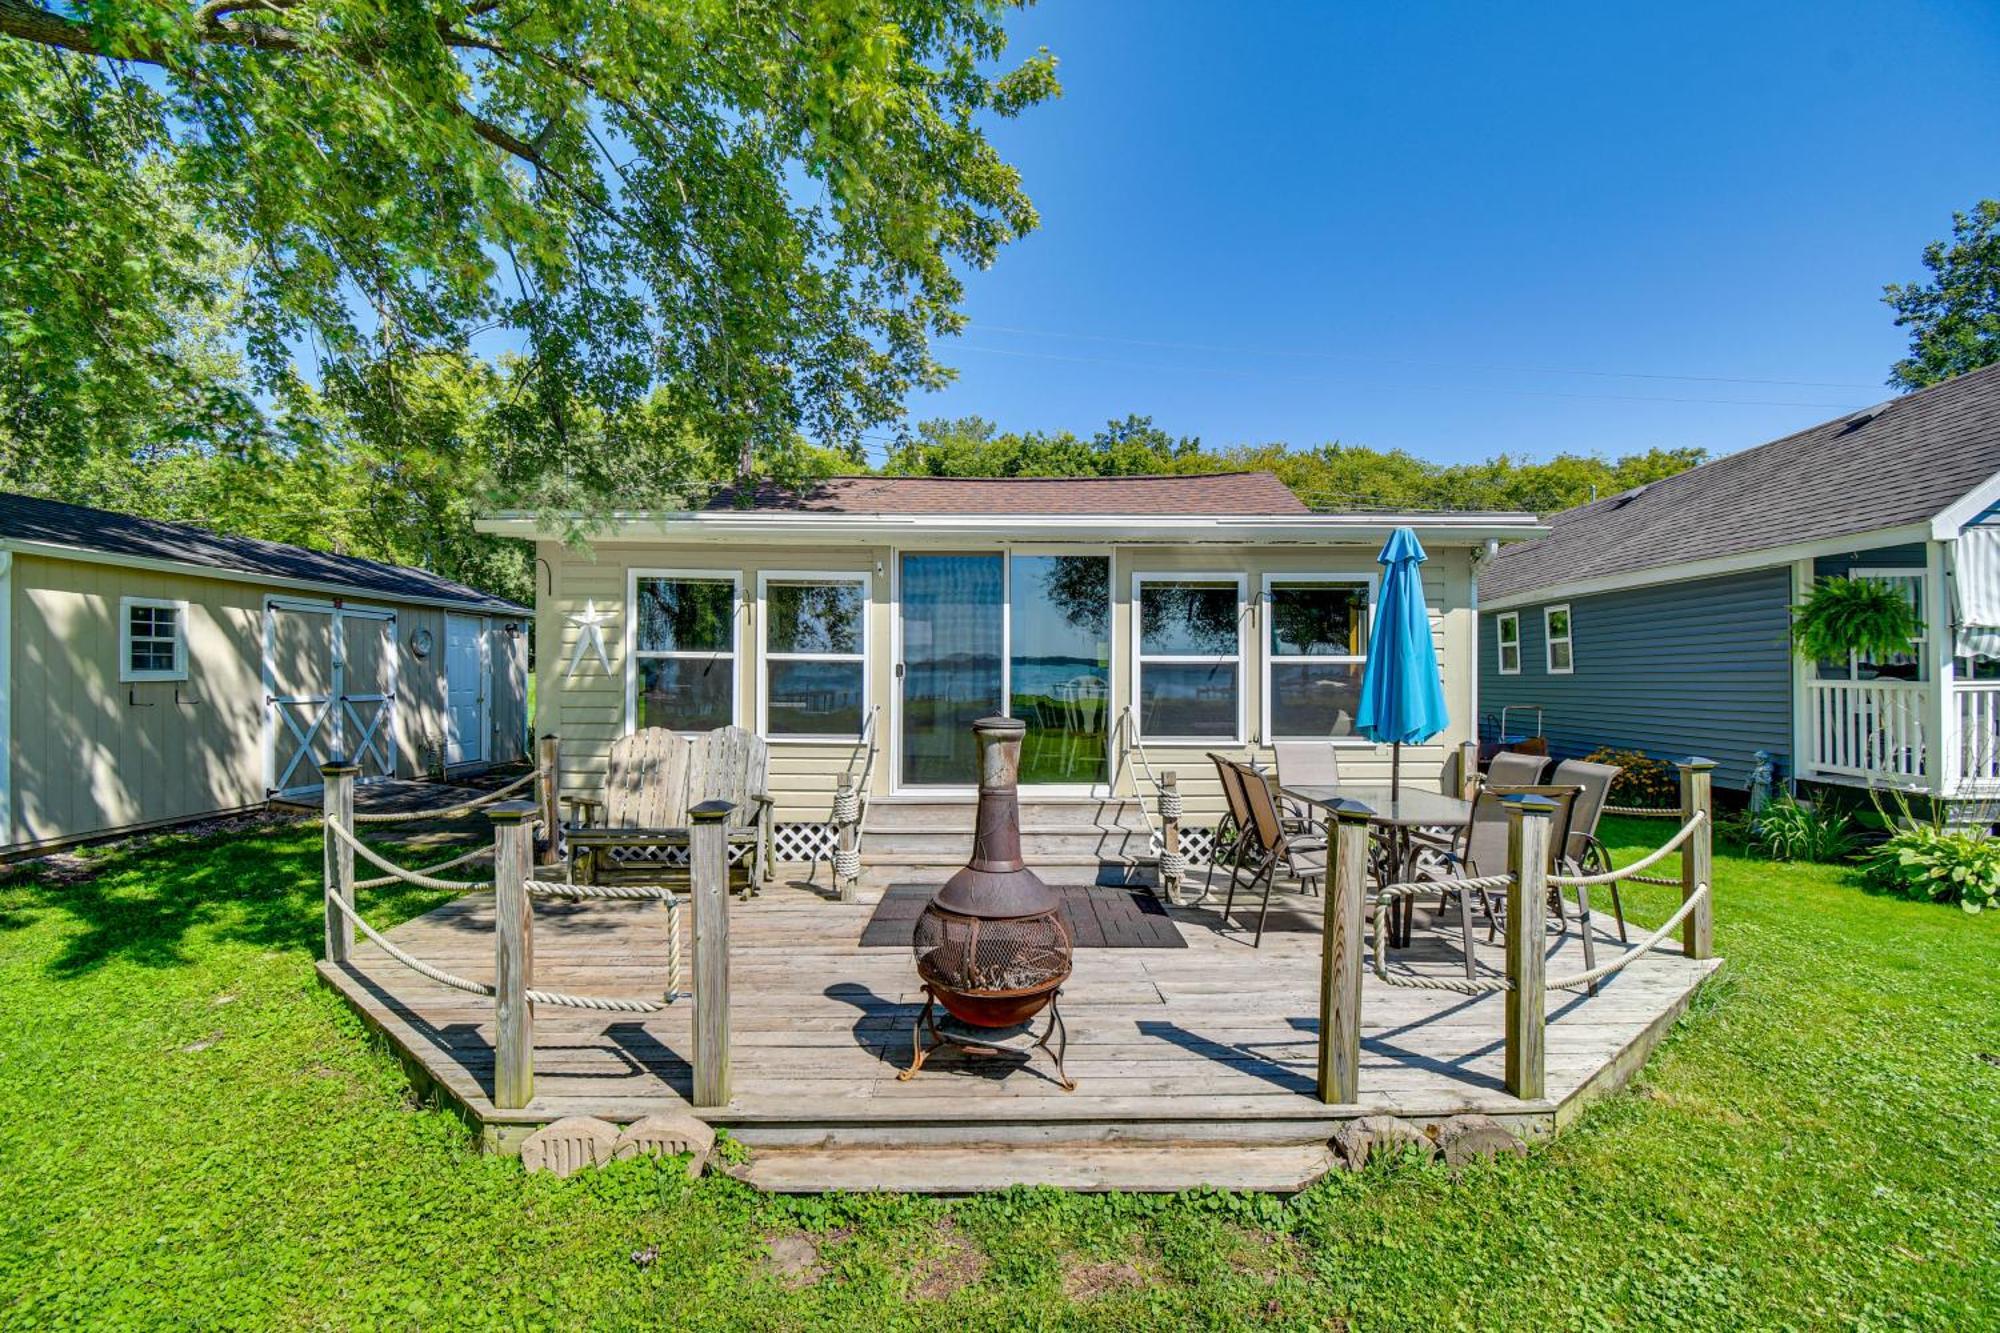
1468,771
1340,956
513,955
1698,856
708,872
1170,834
337,789
548,791
847,842
1527,922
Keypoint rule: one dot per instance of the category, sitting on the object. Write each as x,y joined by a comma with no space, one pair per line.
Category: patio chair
1514,768
1302,855
1585,854
1482,851
654,778
1305,764
1233,835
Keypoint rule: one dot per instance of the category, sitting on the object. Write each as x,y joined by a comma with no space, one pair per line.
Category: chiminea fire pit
992,946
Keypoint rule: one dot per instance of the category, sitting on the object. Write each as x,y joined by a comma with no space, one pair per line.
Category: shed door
330,687
465,690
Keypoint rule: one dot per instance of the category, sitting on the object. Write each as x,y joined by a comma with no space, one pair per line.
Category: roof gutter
225,574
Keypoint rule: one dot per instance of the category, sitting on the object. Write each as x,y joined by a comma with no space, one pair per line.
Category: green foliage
1954,319
1925,862
1788,830
200,1134
1642,782
1842,616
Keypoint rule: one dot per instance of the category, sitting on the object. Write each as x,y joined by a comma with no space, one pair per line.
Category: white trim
6,698
782,526
1945,525
734,578
223,574
1270,660
1946,753
1549,639
1236,579
763,656
1921,573
1804,763
127,673
1689,571
1500,644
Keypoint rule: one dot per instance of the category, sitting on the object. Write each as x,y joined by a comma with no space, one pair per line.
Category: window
815,678
1318,646
1555,633
1507,635
683,670
1190,658
1912,665
152,639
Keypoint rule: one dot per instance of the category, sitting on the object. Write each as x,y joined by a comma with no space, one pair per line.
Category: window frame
1549,639
1920,645
767,577
1236,579
129,674
633,653
1500,644
1371,583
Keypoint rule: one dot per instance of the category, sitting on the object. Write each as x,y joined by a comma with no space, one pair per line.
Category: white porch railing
1869,728
1978,733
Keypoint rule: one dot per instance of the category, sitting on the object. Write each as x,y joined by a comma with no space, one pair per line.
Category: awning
1976,589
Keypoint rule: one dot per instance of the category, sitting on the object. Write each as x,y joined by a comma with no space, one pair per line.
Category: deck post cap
337,767
1352,811
709,812
1529,803
510,812
1697,763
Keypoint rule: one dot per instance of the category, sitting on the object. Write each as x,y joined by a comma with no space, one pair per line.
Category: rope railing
1634,953
449,812
452,864
1652,858
1643,811
396,872
1385,901
1130,743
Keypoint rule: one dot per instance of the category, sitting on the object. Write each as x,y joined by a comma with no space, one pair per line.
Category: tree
750,215
1954,319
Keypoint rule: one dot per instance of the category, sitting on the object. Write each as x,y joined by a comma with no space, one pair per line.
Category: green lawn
193,1132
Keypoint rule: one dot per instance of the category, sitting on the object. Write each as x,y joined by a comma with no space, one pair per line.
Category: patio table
1392,815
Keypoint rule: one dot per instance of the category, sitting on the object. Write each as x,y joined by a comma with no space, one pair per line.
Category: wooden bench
655,777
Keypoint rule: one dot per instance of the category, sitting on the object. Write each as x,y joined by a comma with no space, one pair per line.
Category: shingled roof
1903,462
1237,494
27,518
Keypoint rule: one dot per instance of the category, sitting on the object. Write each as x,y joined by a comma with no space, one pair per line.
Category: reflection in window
1319,638
1190,658
685,650
1059,665
815,672
1555,633
1508,636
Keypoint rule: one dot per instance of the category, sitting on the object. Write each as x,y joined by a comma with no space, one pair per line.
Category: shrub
1923,861
1651,784
1786,830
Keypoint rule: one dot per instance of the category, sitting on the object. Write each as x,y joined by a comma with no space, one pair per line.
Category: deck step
1155,1169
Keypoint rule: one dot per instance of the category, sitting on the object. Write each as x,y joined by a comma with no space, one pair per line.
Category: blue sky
1463,229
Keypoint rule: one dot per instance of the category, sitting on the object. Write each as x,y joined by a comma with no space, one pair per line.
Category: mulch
1099,917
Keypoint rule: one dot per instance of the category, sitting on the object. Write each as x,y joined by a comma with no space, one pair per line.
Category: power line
1312,354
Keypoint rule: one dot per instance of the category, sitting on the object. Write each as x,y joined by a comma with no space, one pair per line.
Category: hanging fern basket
1843,616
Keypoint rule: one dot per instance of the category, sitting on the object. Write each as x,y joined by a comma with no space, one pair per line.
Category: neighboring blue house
1658,620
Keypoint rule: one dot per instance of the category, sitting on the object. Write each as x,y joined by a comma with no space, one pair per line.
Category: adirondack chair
655,777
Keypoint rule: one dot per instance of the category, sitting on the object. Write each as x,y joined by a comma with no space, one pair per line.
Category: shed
153,673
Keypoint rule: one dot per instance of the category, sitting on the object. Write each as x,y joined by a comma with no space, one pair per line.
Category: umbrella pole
1395,769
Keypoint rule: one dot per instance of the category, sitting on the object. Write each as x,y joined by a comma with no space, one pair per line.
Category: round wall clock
421,643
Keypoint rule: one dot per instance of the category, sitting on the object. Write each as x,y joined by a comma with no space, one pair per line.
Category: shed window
1318,641
152,639
1507,635
1556,630
684,651
815,646
1190,657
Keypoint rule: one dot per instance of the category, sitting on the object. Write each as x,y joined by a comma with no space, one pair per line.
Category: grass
194,1132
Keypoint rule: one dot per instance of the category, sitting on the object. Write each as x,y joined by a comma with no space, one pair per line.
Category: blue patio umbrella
1402,694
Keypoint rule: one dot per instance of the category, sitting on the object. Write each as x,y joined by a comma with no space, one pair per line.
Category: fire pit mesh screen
965,953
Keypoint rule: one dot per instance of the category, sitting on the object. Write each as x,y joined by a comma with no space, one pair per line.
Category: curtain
1976,587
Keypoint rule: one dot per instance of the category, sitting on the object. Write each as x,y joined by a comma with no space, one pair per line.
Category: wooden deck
1212,1045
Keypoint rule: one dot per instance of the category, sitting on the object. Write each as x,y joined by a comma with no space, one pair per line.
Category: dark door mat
1099,917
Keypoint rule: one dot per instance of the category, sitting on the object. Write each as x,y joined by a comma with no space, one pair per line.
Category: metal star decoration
590,623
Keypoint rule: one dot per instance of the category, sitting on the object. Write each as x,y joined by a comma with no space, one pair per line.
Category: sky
1466,229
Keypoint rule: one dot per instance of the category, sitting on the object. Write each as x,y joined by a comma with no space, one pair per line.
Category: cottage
1658,619
861,624
152,673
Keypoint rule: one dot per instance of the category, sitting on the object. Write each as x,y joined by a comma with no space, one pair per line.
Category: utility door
465,689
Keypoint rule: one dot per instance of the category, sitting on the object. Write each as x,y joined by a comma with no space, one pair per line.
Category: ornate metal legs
920,1050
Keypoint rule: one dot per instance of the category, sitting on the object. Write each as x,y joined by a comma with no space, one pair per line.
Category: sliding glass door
1027,634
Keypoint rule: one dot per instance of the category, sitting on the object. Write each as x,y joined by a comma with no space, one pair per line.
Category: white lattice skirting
816,842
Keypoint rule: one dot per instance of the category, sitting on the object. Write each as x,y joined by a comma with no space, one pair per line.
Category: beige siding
591,708
91,754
